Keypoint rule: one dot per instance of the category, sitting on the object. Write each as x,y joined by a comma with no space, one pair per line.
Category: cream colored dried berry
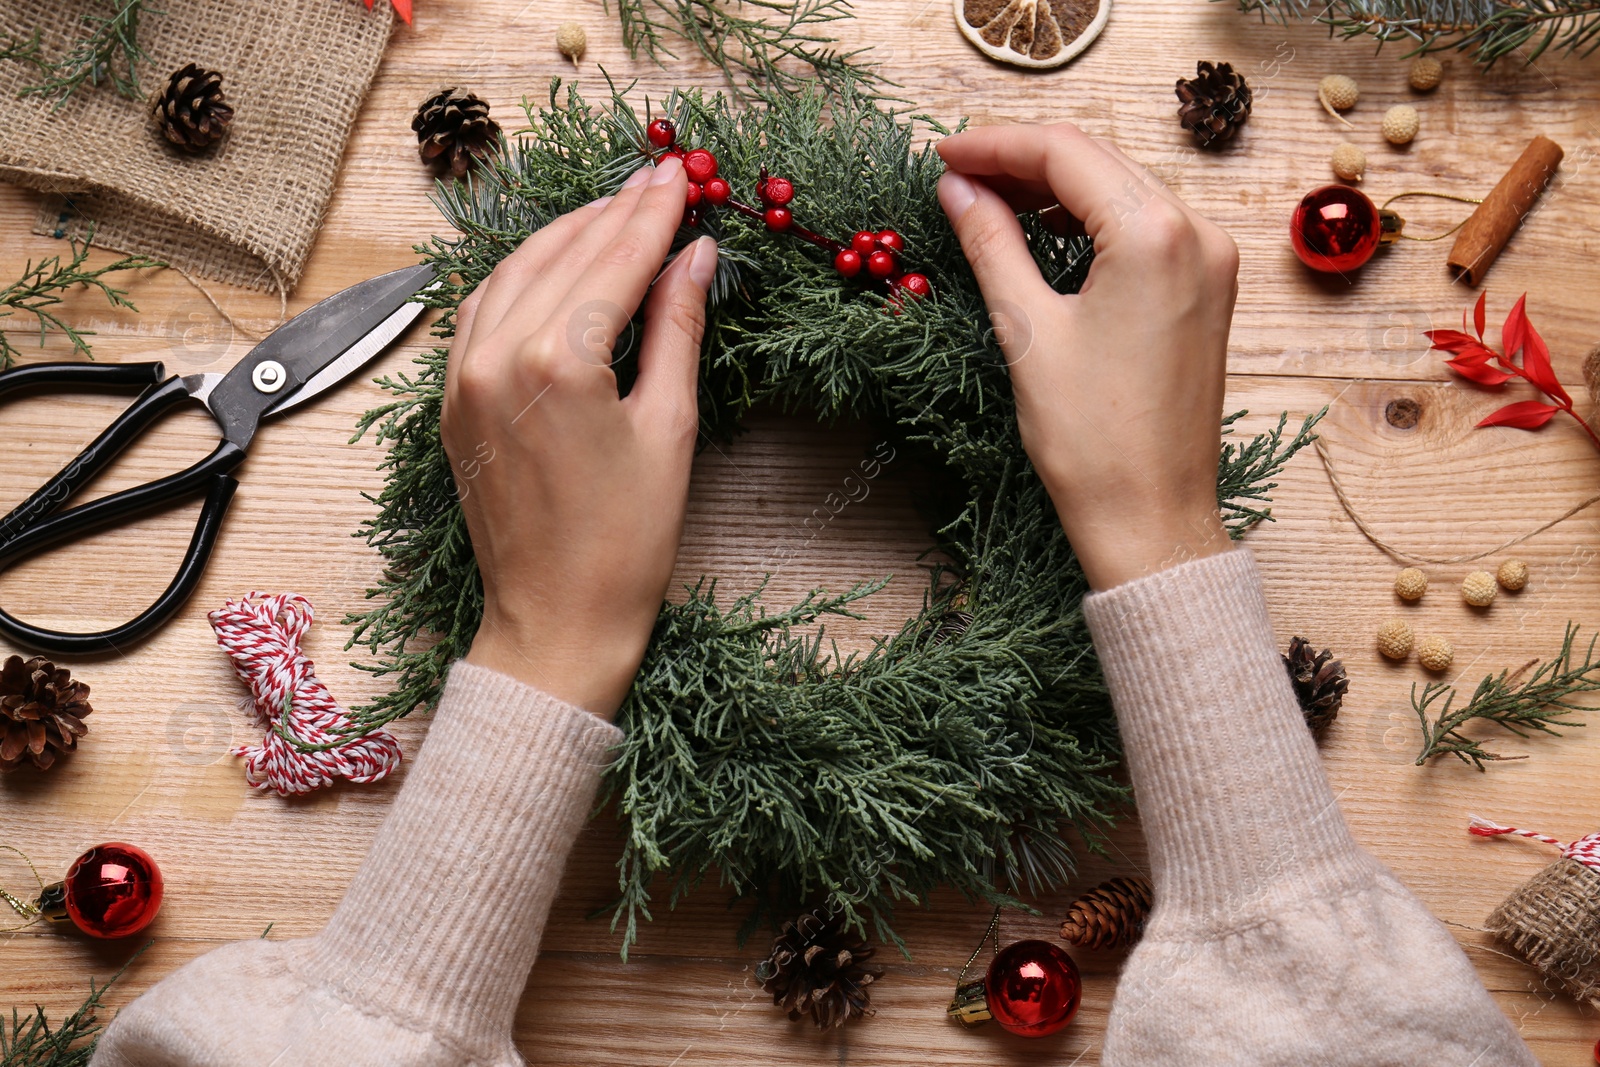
1338,93
1478,589
1349,162
1426,73
1512,575
572,41
1410,584
1395,639
1435,653
1400,124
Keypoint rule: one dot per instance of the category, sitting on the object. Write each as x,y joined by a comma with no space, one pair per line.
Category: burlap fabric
1553,922
247,210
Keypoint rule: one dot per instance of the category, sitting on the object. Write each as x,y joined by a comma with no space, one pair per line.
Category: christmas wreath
959,751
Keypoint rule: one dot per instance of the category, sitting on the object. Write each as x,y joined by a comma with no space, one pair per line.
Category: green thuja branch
110,49
29,1040
1488,29
1244,470
1540,703
44,285
774,44
24,51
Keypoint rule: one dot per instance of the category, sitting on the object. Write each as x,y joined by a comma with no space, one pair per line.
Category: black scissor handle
101,375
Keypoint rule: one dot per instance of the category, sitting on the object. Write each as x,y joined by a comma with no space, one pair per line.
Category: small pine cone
1410,584
1214,103
1349,162
1319,681
1395,639
191,111
1400,124
1512,575
1436,653
454,129
1111,915
1426,73
41,712
817,967
1478,589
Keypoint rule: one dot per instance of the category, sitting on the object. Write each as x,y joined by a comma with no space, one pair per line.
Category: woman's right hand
1119,387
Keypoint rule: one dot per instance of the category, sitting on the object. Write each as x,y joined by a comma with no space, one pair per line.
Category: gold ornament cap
970,1007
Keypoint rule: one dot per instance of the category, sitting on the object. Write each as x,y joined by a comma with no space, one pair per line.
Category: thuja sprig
30,1041
1487,29
110,49
755,48
24,51
1540,703
44,285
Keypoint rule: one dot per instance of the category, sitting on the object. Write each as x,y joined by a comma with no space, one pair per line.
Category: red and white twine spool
262,636
1585,850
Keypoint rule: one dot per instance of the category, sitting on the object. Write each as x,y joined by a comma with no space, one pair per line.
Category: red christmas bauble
880,264
778,219
915,284
776,192
1335,229
718,191
890,240
864,241
113,890
662,133
700,165
1033,988
848,262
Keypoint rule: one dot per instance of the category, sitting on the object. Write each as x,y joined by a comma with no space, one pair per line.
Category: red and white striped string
1585,850
262,635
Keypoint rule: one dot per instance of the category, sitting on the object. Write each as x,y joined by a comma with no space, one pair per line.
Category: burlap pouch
245,211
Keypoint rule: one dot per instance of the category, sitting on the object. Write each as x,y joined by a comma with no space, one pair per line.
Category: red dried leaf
1536,365
1524,415
1514,334
403,9
1478,313
1459,344
1478,371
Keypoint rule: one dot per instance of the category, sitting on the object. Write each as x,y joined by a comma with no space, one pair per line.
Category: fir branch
44,285
1488,29
1243,470
32,1043
780,45
1536,704
110,49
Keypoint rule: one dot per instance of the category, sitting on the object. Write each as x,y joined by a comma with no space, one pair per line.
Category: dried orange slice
1032,33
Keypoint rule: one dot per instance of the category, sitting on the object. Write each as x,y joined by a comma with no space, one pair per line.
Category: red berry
691,217
662,133
718,191
915,284
692,198
776,192
891,241
673,151
700,165
848,262
779,219
864,242
880,264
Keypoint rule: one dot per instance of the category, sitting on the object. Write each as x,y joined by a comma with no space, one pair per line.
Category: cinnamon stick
1503,210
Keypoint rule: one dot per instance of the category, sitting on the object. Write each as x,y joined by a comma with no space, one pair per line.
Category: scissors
312,352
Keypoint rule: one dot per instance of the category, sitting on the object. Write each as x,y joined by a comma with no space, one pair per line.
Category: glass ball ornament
1032,988
1336,229
112,890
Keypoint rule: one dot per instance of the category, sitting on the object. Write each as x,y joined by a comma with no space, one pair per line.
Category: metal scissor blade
355,357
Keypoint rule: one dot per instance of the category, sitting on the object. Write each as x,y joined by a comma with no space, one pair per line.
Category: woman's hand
574,497
1119,388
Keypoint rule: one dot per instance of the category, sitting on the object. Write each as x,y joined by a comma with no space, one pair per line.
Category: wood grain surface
154,769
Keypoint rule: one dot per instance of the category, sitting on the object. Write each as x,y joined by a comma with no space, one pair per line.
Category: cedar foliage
945,754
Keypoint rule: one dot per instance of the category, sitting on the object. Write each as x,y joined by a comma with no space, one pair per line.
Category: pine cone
1319,682
1215,103
453,128
1111,915
191,111
817,966
41,712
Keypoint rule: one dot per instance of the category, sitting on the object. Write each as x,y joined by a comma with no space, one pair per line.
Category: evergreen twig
944,755
110,49
1244,469
24,51
43,285
31,1042
1536,704
1488,29
781,45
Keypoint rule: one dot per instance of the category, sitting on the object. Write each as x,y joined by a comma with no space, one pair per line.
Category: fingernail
639,177
666,170
703,262
957,194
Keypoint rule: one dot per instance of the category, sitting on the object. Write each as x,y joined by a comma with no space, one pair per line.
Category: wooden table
155,771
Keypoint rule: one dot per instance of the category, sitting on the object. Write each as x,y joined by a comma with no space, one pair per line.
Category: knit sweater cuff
441,925
1239,815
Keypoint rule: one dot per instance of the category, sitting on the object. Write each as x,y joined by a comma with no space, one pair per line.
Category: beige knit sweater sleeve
1275,941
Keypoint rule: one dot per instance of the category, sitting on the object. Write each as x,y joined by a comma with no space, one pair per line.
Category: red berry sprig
878,254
